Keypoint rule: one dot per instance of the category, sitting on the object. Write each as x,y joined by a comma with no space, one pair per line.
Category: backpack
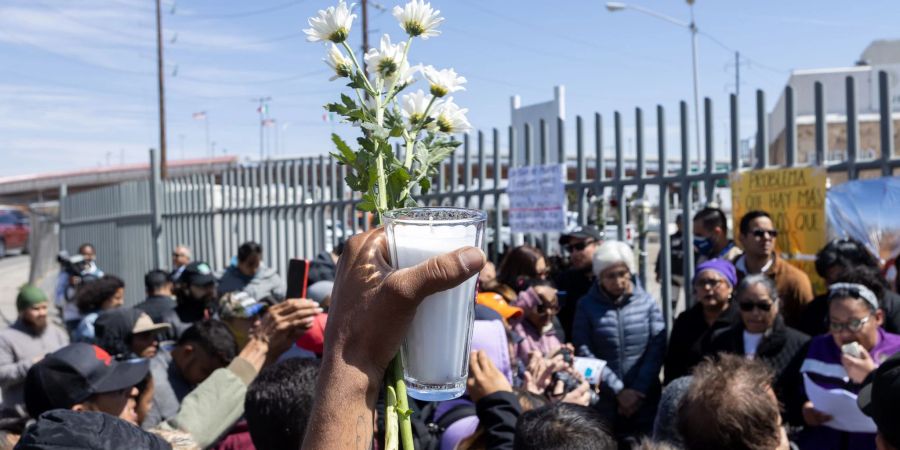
427,432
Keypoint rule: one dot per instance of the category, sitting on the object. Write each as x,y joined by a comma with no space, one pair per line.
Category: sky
78,85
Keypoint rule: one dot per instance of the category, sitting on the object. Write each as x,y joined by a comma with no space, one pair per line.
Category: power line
269,9
255,82
73,59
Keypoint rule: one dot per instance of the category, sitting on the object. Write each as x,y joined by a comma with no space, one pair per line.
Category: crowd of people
569,356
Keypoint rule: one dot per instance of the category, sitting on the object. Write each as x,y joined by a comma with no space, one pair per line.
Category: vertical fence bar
687,201
156,209
620,175
821,125
498,212
762,136
514,239
886,127
665,249
641,217
280,240
852,129
581,176
529,160
599,174
790,128
709,184
482,170
335,224
545,159
321,210
467,167
735,133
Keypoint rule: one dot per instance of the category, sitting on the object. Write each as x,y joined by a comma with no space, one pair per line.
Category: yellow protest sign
795,198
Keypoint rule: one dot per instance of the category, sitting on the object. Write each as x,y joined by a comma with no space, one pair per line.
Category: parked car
14,230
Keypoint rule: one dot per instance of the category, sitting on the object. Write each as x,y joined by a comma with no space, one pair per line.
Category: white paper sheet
591,368
841,406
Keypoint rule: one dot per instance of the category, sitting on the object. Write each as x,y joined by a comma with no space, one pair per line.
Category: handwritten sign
537,199
795,198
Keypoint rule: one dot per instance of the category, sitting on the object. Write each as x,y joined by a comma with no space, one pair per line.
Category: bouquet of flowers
423,122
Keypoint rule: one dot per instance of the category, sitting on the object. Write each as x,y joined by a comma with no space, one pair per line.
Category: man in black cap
84,377
880,400
195,293
580,245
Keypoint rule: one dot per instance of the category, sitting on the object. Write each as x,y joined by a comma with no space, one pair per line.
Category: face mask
703,245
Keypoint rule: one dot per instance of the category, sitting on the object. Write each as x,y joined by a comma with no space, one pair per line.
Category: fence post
887,124
790,128
852,128
155,209
63,194
762,144
821,125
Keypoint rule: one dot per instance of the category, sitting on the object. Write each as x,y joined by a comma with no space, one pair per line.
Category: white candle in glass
435,352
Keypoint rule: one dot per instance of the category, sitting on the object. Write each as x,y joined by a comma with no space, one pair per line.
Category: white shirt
751,343
741,265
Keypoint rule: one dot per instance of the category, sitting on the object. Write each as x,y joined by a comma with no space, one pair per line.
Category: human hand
484,377
540,370
373,304
630,401
858,368
580,395
283,324
812,416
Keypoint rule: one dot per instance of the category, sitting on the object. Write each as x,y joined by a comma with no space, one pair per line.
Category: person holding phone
842,359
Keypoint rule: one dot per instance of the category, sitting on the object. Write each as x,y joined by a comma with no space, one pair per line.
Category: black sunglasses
762,233
577,247
748,306
543,307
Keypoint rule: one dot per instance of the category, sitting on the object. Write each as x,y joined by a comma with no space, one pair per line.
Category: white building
882,55
532,115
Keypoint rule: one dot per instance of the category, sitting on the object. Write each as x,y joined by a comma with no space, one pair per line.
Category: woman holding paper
761,334
836,366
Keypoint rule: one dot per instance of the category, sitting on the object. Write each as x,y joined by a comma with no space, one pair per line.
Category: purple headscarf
489,336
723,267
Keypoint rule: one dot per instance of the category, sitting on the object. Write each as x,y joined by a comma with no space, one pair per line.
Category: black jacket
783,349
62,429
497,415
575,284
690,334
322,268
814,320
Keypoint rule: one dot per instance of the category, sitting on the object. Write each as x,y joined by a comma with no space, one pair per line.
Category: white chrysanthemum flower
451,118
342,66
414,106
332,24
418,18
387,60
443,82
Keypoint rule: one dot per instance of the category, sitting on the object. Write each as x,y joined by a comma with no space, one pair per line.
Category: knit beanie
30,296
723,267
613,252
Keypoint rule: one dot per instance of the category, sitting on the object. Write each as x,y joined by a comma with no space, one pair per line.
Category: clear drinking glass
435,352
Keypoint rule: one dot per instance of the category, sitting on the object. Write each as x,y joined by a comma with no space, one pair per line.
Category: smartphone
297,278
851,349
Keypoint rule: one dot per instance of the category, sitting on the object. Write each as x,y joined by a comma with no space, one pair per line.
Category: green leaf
425,184
348,156
348,102
367,203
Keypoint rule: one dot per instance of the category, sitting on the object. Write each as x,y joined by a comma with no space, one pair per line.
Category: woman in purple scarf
840,361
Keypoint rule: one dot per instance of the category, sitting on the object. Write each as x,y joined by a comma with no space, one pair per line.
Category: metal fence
300,207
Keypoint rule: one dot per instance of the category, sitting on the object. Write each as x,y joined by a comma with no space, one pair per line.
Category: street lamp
692,26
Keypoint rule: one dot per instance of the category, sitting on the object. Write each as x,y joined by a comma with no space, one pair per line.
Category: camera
569,382
78,270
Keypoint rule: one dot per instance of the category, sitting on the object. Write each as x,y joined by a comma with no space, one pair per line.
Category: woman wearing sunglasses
714,282
761,334
839,362
539,304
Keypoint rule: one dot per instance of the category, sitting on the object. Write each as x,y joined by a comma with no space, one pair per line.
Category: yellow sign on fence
795,198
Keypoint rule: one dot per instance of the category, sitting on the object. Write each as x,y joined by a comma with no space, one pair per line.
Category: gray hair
758,278
187,250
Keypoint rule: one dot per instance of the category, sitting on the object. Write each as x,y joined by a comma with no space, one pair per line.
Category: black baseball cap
197,273
585,232
880,399
74,373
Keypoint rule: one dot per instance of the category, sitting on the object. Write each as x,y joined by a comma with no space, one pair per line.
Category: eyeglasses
709,283
853,325
578,246
760,233
543,307
749,306
178,255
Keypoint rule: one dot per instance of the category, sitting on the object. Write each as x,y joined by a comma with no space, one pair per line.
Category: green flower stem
402,407
390,420
358,67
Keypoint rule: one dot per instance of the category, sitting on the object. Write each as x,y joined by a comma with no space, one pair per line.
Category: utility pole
162,97
263,111
737,74
365,31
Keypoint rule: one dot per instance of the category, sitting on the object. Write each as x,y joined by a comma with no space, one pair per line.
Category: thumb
437,274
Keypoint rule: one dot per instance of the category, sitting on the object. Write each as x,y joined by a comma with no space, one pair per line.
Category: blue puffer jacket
629,334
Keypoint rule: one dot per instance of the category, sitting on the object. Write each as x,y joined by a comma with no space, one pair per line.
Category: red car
14,230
